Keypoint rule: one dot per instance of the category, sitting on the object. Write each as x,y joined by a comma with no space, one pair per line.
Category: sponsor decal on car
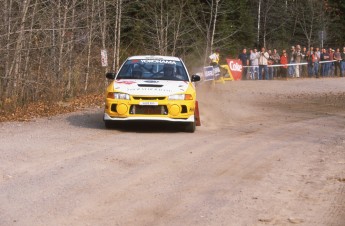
158,61
126,82
151,81
149,89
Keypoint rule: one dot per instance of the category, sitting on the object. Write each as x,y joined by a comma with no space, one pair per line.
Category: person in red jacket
284,61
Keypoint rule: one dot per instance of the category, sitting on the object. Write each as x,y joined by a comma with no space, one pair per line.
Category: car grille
148,98
148,110
149,85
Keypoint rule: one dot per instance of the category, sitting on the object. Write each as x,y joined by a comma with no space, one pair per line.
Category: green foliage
235,29
150,26
336,28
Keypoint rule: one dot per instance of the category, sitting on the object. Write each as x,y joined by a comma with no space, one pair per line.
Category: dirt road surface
267,153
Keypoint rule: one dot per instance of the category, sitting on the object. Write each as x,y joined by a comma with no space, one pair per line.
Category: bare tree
266,16
215,9
117,34
259,17
15,66
205,22
309,18
7,25
70,47
118,43
90,20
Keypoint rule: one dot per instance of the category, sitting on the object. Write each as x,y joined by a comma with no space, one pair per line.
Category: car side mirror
110,75
195,78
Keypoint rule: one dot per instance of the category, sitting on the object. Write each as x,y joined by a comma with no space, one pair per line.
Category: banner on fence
216,72
208,73
235,68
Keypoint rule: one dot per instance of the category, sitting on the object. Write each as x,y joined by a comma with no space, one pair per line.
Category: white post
259,9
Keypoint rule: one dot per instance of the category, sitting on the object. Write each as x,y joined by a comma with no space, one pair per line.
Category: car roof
151,57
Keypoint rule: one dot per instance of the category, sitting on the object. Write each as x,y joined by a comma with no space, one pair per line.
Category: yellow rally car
152,88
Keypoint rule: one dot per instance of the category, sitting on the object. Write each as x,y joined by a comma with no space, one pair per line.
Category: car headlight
180,97
118,96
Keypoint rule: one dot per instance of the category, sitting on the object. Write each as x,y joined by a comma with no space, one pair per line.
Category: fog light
174,110
121,109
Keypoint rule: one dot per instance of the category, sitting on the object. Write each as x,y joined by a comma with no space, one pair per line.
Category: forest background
50,50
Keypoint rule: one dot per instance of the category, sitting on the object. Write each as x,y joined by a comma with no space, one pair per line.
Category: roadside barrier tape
279,65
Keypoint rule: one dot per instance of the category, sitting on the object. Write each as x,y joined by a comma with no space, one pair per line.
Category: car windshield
153,69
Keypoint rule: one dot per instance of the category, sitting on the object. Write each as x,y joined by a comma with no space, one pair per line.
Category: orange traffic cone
197,115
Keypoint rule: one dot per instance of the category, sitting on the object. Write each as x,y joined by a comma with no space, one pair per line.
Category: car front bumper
148,118
162,110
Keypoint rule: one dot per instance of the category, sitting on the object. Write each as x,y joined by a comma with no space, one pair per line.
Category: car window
153,69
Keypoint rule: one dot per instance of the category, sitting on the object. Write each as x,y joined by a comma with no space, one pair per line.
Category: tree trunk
118,35
17,52
62,35
103,26
27,56
90,25
214,22
7,22
259,16
71,48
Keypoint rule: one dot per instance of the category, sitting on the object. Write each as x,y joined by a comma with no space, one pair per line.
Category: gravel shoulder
267,153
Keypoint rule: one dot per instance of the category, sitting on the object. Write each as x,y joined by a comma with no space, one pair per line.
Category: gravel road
267,153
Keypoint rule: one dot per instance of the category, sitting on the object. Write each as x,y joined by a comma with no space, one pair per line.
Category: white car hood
150,87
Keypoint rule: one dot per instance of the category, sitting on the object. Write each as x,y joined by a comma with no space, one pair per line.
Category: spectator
269,65
284,62
325,65
244,59
313,62
330,64
342,63
254,62
291,68
298,59
214,57
316,62
276,58
309,58
337,58
263,63
250,64
304,60
322,59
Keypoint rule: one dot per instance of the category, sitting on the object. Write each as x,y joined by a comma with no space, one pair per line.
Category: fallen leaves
47,109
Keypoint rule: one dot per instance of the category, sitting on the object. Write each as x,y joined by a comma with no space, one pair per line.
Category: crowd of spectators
296,63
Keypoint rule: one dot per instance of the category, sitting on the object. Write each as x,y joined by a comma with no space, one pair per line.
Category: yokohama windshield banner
235,68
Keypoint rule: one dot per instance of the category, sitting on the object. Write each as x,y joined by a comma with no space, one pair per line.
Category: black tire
190,127
108,124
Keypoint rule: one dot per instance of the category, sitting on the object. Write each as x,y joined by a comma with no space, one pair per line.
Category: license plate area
148,103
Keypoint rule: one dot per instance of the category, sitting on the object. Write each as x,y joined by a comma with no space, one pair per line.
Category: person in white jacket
263,63
254,63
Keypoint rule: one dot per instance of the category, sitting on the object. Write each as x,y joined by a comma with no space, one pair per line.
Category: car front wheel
108,124
190,127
